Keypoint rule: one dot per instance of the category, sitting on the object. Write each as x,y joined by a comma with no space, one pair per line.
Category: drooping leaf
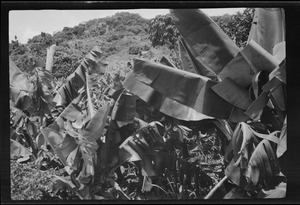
233,93
62,146
92,63
282,146
17,78
124,108
263,166
278,192
268,27
95,127
189,61
18,151
157,101
188,89
209,44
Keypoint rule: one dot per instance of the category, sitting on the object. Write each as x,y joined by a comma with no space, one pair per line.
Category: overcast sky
28,23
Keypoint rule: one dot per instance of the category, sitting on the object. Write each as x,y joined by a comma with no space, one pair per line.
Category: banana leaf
233,93
124,108
185,88
164,60
92,63
268,27
20,87
17,78
18,151
278,192
259,58
190,63
282,145
263,166
61,145
210,45
159,102
95,126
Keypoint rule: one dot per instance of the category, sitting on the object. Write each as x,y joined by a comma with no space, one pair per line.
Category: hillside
120,37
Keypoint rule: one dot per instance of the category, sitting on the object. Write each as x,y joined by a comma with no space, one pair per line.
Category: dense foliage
236,26
162,31
140,130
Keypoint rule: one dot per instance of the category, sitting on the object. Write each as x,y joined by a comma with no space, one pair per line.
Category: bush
113,37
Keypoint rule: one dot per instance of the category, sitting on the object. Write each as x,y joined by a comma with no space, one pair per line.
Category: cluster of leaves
162,31
30,183
143,138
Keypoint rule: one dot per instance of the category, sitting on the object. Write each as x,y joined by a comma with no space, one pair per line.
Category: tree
236,26
162,31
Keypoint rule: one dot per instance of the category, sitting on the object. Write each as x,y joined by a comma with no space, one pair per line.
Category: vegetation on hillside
149,110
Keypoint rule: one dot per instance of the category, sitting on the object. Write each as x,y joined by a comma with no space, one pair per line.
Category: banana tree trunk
50,56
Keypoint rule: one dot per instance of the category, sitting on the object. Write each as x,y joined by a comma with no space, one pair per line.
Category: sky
26,24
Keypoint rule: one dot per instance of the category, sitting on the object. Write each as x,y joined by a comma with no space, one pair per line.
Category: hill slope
120,36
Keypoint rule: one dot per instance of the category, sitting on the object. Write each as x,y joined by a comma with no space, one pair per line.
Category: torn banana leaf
18,151
181,87
263,166
278,192
268,27
157,101
92,63
208,43
189,61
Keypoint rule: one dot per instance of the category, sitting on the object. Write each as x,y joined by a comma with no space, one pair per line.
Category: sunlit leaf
268,27
18,151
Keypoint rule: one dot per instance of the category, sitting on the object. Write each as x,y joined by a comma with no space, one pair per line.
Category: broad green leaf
263,166
282,146
95,127
62,146
278,192
233,93
92,63
17,78
157,101
188,89
259,59
189,61
124,108
18,151
268,27
209,44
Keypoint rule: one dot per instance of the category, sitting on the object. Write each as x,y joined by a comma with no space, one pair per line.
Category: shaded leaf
278,192
282,146
189,61
212,47
263,166
193,91
237,193
92,63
